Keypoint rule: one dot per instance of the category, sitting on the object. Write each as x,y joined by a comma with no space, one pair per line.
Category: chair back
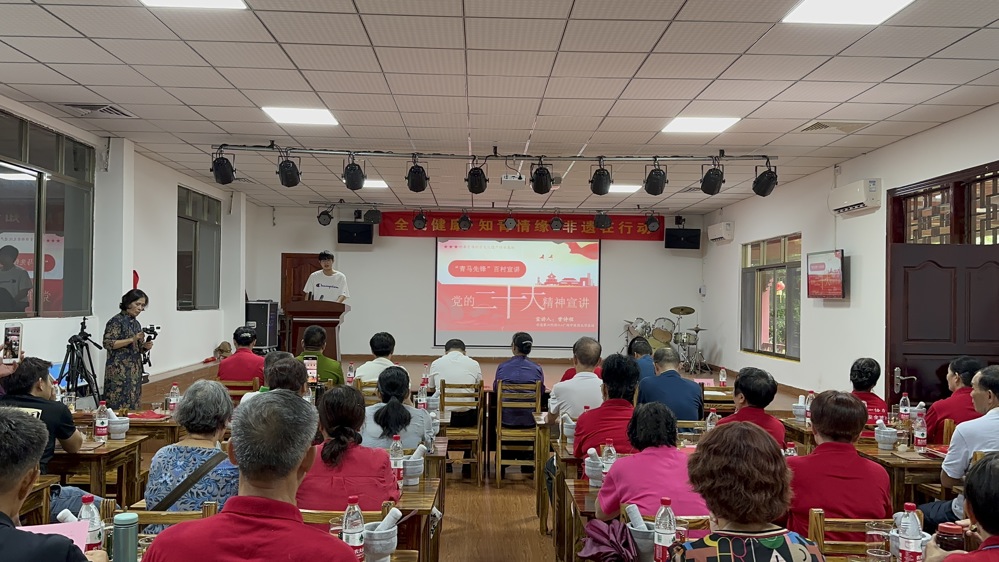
694,522
461,395
948,430
517,396
721,398
819,525
314,516
370,391
634,398
238,389
700,425
171,517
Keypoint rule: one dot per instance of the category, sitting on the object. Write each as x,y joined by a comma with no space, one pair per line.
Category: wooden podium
299,315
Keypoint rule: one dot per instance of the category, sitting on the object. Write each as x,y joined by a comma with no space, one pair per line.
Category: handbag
188,482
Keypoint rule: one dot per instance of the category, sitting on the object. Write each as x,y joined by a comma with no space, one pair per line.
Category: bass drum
685,338
662,329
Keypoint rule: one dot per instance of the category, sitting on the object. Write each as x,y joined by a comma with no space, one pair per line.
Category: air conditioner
721,231
855,197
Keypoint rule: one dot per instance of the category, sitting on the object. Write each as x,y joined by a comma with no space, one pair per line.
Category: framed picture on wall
826,277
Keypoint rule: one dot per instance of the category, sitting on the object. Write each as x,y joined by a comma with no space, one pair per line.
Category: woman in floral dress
124,341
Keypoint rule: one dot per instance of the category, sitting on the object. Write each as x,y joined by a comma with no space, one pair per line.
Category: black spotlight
510,223
652,223
557,223
325,217
417,179
476,180
541,178
602,220
655,181
601,180
374,216
420,221
223,170
353,175
288,173
713,179
765,183
464,223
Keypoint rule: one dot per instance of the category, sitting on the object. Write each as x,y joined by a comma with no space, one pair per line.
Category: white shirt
326,287
369,371
251,395
571,396
455,368
970,436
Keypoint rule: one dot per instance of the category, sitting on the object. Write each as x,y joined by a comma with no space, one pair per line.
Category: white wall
833,334
392,281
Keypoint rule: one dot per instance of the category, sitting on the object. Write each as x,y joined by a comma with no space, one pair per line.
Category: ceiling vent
98,110
844,127
691,189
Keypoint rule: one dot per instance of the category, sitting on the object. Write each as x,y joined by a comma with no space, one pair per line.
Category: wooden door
295,271
943,301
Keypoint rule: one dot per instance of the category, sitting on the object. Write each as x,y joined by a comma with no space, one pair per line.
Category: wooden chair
370,391
935,490
724,402
694,522
700,425
469,439
171,517
515,397
238,389
314,516
634,399
819,525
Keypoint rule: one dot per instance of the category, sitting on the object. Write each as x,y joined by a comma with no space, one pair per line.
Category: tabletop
420,497
891,459
112,446
583,496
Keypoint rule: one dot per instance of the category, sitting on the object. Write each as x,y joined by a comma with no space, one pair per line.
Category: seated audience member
222,351
393,416
981,504
754,390
974,435
314,343
31,388
864,375
658,470
344,466
23,439
204,413
243,364
382,347
262,523
741,474
640,349
584,389
680,395
454,367
958,406
519,370
834,477
285,372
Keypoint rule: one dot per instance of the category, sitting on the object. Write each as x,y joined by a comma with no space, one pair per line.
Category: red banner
444,224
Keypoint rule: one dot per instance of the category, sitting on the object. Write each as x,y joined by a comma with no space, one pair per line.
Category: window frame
196,258
754,273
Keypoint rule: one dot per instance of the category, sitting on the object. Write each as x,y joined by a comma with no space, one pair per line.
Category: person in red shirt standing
864,375
754,390
958,406
981,505
835,477
243,364
262,523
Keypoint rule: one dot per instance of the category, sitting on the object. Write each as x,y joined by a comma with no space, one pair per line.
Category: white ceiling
568,77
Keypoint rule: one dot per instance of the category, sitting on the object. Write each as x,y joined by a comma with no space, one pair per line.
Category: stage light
476,180
420,221
353,175
601,180
765,182
464,223
325,217
655,181
541,177
652,223
556,223
713,179
417,179
510,223
288,173
222,169
602,220
374,216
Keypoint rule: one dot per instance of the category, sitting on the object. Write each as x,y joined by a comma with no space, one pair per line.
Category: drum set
662,331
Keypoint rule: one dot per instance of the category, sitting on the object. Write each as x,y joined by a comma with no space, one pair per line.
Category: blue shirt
519,370
646,367
679,394
173,464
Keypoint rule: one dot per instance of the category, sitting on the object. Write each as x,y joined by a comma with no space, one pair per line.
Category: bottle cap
127,518
714,410
665,502
950,529
352,500
909,506
88,498
790,444
397,438
103,403
905,394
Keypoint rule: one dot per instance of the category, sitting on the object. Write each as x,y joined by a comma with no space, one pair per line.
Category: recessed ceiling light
845,12
375,183
203,4
300,116
624,188
699,124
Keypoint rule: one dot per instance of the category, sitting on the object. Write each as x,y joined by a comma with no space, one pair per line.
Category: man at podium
326,284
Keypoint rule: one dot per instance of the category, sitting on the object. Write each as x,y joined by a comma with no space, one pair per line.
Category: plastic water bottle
712,420
808,408
95,527
665,531
904,408
722,377
609,456
173,398
919,432
396,455
353,528
421,396
350,373
910,536
102,423
790,449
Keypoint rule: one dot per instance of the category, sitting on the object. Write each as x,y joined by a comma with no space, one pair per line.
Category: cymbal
696,329
681,310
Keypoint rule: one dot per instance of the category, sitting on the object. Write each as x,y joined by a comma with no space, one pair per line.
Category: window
984,210
199,250
771,296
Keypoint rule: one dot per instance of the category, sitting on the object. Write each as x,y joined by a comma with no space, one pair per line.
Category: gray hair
271,439
666,355
206,407
275,356
22,440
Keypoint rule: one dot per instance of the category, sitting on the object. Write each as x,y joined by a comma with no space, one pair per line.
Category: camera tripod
78,363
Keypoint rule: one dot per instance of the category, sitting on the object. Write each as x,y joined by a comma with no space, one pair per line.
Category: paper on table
75,531
705,382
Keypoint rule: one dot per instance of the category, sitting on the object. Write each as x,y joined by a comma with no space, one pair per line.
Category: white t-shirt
455,368
370,370
326,287
981,434
569,397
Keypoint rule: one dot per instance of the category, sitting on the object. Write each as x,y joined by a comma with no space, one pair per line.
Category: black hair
325,255
981,492
586,350
288,374
620,375
864,374
989,379
10,251
393,417
23,379
382,344
652,425
128,298
314,338
273,357
22,440
454,344
244,336
639,345
757,386
522,342
965,367
341,415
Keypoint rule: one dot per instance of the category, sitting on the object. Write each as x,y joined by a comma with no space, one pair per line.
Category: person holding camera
125,341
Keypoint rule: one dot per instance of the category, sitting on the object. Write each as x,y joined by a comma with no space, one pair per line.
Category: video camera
151,331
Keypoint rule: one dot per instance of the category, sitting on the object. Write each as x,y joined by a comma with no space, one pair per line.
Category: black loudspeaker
683,238
263,317
354,233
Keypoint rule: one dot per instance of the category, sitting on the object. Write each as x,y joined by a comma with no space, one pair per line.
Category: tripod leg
90,374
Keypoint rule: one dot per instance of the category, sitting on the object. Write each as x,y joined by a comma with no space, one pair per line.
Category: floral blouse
173,463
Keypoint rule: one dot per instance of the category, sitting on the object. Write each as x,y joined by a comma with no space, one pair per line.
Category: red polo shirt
243,365
571,372
363,471
988,552
760,417
876,407
248,529
608,421
837,479
958,407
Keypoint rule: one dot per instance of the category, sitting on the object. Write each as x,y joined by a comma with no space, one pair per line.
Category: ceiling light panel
699,124
624,188
300,116
845,12
200,4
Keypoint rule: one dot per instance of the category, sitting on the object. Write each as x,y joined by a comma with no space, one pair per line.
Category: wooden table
905,474
445,418
582,506
158,430
415,533
542,438
566,468
36,507
799,433
436,464
122,455
405,556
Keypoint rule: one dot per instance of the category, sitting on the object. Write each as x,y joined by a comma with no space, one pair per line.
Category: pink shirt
643,479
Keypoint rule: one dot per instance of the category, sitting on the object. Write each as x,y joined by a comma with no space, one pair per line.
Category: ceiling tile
711,37
265,79
575,107
969,95
136,94
585,88
185,76
982,44
743,89
823,91
791,110
612,36
615,137
606,65
625,124
943,71
860,69
901,93
9,54
350,82
550,9
773,67
410,31
419,84
490,86
60,93
510,63
658,89
745,139
685,65
520,122
238,128
626,9
504,106
864,111
30,73
57,50
438,120
333,57
806,139
421,61
216,25
236,114
765,126
513,34
771,11
647,108
712,108
358,102
902,128
209,96
991,79
159,112
278,98
431,104
113,23
934,113
905,41
31,21
175,126
243,55
958,13
568,122
373,118
867,141
427,7
138,51
807,39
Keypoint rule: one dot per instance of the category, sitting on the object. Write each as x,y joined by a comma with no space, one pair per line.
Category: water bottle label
356,543
95,538
663,542
398,469
101,428
920,438
421,405
910,550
